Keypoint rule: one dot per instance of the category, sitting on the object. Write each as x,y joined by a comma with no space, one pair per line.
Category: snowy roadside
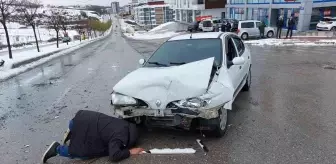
165,30
26,60
292,42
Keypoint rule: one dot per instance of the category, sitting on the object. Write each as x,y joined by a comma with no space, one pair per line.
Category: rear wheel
270,34
244,36
248,82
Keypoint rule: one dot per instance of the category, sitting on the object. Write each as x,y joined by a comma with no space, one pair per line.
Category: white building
190,10
115,7
153,14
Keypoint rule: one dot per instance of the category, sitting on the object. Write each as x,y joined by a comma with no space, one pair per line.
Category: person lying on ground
92,135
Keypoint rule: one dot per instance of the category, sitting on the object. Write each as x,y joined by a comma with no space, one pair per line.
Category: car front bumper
130,112
323,28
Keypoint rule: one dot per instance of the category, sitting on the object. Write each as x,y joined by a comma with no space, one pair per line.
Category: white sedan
189,82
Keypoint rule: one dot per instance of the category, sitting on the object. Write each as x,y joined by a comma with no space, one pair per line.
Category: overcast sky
84,2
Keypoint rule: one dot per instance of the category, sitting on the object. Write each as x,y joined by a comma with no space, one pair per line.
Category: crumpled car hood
161,85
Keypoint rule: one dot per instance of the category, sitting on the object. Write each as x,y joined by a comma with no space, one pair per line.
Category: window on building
247,25
286,1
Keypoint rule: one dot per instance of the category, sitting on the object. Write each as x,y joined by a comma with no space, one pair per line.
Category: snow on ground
149,36
6,71
163,31
18,36
291,42
166,26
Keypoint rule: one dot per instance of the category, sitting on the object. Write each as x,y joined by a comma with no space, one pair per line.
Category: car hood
161,85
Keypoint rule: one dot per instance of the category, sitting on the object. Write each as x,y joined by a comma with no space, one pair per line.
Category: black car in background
194,27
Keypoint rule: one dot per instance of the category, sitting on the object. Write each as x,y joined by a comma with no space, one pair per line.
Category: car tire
244,36
270,34
248,81
222,123
333,29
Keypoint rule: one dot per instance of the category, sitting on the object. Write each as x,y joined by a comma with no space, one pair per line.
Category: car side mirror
142,61
238,61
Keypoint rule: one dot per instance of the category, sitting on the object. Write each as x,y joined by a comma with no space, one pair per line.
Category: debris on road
56,117
26,146
200,142
171,151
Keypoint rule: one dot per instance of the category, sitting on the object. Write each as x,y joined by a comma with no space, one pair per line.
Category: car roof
250,21
207,35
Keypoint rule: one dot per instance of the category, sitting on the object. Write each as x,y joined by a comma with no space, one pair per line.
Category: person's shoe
51,152
66,137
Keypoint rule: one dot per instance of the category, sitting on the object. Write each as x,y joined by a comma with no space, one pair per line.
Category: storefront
319,13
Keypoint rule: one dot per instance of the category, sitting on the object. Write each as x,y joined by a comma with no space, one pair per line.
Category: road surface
287,117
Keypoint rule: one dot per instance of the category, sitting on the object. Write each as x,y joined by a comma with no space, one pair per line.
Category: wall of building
306,12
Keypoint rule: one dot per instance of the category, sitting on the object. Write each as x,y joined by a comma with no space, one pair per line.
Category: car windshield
180,52
328,19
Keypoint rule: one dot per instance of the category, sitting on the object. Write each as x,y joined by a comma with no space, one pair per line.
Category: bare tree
54,22
28,10
64,21
7,8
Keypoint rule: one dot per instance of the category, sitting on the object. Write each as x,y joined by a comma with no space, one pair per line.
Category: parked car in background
194,26
66,39
210,25
327,24
250,28
193,83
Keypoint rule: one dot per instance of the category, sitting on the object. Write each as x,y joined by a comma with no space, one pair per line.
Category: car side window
247,25
240,45
257,24
231,52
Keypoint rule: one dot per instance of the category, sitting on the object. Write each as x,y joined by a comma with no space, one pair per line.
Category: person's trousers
262,34
290,30
63,150
279,29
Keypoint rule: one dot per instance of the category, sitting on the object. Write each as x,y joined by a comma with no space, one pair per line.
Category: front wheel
222,123
333,29
248,81
270,34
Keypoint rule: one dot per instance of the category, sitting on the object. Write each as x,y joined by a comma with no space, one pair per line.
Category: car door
230,54
240,47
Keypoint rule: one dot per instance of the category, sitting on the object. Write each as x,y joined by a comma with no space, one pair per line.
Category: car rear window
207,24
247,25
186,51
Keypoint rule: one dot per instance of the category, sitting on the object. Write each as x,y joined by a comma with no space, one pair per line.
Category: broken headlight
192,103
119,99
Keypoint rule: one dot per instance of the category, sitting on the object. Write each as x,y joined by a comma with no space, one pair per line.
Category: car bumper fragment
129,112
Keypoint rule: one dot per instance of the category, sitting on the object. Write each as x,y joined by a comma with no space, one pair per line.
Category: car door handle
240,67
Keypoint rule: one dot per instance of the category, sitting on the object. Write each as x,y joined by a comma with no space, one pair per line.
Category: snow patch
150,36
166,26
290,42
6,71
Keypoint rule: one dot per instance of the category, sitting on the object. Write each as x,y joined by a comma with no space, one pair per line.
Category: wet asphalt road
287,117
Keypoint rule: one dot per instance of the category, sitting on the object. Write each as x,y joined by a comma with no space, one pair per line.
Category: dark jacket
291,23
96,135
280,23
262,27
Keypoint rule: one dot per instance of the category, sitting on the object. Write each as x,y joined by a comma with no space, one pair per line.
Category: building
115,7
307,12
153,14
191,10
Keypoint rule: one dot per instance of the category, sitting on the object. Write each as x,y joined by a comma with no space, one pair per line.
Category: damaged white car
190,81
